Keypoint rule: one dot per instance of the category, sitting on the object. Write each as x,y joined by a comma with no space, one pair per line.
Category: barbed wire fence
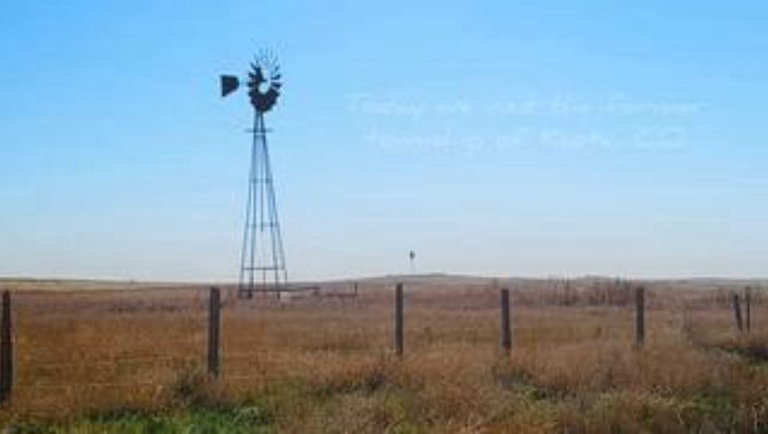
33,370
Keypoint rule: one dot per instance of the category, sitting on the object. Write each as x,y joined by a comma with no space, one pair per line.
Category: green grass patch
241,420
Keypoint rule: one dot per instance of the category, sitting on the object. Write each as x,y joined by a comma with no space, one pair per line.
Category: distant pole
6,350
639,316
506,327
737,312
399,319
214,330
748,306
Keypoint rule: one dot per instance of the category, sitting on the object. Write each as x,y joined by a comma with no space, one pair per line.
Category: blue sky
502,138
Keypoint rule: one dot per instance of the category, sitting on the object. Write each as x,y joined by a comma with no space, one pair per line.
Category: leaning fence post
6,350
748,307
506,327
737,312
639,316
398,338
214,329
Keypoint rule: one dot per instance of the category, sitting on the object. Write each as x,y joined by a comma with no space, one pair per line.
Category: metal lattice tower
262,263
262,260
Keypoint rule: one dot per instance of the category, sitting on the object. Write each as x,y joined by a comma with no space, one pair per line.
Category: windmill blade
271,96
256,77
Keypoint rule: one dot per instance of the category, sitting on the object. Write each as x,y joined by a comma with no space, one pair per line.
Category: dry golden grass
323,365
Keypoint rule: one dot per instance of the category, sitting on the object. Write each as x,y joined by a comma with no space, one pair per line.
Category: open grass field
121,360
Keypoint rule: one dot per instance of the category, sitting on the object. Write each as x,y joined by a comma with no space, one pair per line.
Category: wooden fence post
399,319
737,312
639,316
214,331
506,327
6,350
748,307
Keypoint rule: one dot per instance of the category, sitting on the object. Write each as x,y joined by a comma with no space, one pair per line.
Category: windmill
262,259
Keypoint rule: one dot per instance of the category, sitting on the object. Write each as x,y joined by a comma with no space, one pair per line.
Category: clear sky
492,137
